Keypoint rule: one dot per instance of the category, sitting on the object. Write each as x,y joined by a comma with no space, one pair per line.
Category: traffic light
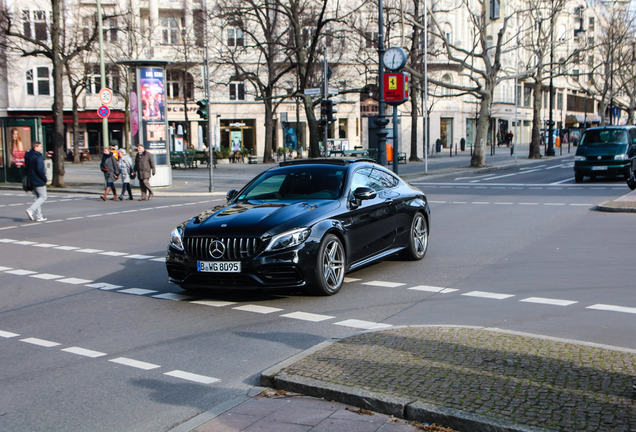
327,110
203,109
332,111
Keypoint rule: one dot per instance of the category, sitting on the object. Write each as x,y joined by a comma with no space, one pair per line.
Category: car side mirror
362,193
231,194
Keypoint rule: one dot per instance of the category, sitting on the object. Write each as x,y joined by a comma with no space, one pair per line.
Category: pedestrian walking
144,169
34,161
125,167
110,168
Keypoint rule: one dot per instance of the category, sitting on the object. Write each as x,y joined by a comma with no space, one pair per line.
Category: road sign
312,91
103,111
105,96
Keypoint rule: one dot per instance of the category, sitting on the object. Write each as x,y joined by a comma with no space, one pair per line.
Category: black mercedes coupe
302,224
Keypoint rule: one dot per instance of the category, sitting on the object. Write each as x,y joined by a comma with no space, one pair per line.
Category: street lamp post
381,121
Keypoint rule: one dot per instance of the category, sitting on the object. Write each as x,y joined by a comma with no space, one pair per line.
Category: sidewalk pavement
469,379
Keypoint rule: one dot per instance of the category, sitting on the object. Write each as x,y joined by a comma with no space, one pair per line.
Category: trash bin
462,144
438,145
389,152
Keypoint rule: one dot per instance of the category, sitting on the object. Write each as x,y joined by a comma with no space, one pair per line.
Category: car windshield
604,136
296,182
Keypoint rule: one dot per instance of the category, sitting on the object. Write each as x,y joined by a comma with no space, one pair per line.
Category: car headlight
621,157
579,158
176,239
288,239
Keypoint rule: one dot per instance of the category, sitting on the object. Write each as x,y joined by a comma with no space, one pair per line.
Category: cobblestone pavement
472,379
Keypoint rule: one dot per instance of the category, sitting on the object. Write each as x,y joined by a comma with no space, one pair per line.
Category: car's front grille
234,248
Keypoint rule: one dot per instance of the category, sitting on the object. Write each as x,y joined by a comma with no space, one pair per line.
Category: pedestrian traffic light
203,108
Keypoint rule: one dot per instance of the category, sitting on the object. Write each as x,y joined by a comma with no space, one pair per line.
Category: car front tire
330,266
418,238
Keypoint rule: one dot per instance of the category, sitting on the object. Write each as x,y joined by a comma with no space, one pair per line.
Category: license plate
219,266
599,168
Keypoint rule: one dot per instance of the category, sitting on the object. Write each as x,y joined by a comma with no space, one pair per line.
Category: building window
110,30
559,98
371,39
527,96
175,85
446,79
237,90
38,81
169,30
575,74
34,24
94,79
235,37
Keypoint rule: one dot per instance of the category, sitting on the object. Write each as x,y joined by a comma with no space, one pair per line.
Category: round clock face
394,58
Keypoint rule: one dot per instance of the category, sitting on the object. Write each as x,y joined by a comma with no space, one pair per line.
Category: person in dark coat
34,162
145,168
110,168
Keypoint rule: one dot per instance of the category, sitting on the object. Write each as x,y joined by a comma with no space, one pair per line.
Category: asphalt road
92,337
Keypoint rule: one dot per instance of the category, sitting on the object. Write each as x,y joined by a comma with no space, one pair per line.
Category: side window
381,180
360,178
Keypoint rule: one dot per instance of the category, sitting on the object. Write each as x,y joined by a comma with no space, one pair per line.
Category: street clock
394,58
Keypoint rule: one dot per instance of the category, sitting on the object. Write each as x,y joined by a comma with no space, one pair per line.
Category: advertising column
148,122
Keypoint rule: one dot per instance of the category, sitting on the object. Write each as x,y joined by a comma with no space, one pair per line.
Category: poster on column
153,107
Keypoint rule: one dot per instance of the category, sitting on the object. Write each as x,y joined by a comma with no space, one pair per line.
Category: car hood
250,219
601,150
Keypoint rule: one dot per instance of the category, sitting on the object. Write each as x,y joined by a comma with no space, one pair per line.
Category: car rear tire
330,266
418,238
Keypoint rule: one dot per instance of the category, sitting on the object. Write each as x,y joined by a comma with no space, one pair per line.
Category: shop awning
582,118
84,116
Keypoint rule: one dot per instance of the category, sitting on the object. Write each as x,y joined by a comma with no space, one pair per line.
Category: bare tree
60,48
257,54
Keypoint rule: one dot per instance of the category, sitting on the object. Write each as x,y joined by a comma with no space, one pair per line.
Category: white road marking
45,245
90,251
192,377
104,286
161,259
75,281
306,316
113,253
613,308
366,325
213,303
20,272
433,289
134,363
7,335
40,342
350,279
384,284
257,309
172,296
548,301
5,268
137,291
6,240
67,248
488,295
84,352
25,243
46,276
139,257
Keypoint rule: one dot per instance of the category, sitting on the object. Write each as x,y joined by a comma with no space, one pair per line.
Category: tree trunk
76,153
535,143
478,159
314,136
58,96
269,129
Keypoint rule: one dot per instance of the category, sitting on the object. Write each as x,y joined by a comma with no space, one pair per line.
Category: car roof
326,161
611,127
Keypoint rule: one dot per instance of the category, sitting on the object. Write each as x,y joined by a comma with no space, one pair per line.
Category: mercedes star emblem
217,249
